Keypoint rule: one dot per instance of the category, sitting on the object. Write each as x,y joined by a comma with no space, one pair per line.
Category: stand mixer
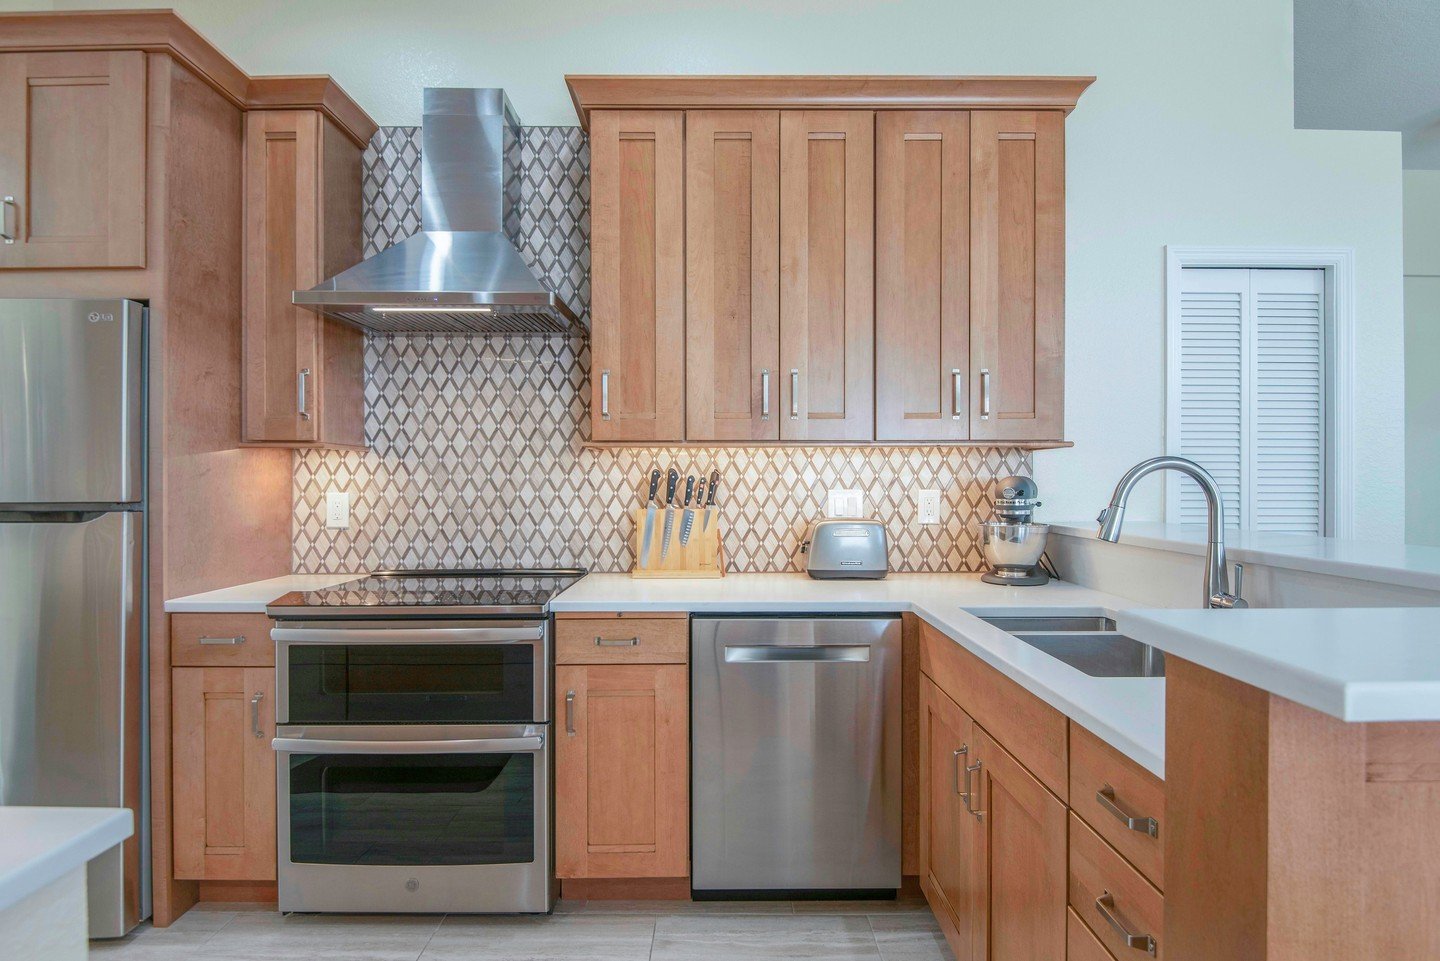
1011,544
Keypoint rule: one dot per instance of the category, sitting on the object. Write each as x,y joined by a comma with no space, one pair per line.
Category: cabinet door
732,283
72,159
637,254
1017,275
224,773
1021,868
922,263
282,255
827,271
622,795
948,832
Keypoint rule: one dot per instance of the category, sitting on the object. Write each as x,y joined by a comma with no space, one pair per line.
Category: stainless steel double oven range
414,742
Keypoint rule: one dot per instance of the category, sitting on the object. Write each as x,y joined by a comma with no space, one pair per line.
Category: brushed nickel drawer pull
301,403
957,393
970,792
237,639
1106,798
984,395
1105,904
794,393
765,394
617,642
604,395
7,231
255,714
570,713
965,794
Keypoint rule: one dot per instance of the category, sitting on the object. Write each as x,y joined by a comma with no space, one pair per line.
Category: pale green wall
1422,357
1186,138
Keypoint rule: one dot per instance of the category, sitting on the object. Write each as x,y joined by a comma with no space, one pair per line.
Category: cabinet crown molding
821,92
165,31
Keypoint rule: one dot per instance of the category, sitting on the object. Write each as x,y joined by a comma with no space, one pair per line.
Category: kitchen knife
671,482
649,531
687,519
710,498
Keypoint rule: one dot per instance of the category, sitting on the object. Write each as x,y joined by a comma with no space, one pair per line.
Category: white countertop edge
252,597
1360,560
40,845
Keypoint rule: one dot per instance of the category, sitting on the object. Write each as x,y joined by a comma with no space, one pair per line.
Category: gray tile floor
580,930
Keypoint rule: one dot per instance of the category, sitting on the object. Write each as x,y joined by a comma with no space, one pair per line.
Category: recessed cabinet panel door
72,159
282,255
732,308
827,273
922,264
948,835
1017,275
637,335
224,784
1021,869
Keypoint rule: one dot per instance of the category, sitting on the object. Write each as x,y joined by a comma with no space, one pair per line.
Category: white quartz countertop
251,598
1407,565
39,845
1356,663
1128,713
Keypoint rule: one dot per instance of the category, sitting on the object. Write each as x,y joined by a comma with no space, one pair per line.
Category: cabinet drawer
1107,789
1081,943
622,639
1102,883
221,640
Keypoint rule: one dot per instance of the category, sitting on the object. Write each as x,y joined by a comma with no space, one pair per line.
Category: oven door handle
432,635
488,745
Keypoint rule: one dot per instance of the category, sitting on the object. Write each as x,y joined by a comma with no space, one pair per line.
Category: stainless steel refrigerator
72,575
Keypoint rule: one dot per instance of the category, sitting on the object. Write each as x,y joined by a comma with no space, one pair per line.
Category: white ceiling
1371,65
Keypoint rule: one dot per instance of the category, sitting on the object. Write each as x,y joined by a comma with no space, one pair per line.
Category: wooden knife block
701,556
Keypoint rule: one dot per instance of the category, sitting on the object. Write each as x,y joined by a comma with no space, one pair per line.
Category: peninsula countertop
40,845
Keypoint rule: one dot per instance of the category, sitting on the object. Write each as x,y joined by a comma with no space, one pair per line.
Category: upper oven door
340,674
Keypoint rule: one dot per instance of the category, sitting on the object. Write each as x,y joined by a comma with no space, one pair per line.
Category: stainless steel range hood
462,272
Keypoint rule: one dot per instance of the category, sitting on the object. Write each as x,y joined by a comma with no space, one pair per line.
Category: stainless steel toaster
846,547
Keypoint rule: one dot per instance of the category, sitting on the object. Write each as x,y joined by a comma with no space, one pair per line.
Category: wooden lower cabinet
224,773
948,839
622,799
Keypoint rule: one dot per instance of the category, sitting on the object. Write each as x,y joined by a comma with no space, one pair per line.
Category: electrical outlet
842,502
337,510
928,504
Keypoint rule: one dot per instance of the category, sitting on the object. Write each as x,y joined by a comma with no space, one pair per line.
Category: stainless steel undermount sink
1090,644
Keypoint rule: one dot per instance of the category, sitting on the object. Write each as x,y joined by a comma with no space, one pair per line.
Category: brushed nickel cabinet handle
255,713
962,751
957,393
984,395
1106,798
970,792
794,393
765,394
8,230
237,639
301,402
617,642
604,395
1105,904
570,713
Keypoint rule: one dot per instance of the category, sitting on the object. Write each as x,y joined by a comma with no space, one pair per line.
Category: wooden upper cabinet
732,263
637,309
1017,275
827,273
72,159
303,377
922,267
224,773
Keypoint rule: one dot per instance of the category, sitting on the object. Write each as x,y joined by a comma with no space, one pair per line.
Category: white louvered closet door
1248,397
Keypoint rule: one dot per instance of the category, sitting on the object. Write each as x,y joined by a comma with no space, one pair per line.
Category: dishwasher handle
778,653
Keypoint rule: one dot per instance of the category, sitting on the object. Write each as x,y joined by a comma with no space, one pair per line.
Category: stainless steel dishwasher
796,756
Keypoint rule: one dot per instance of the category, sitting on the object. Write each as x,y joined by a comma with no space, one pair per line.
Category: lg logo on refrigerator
96,317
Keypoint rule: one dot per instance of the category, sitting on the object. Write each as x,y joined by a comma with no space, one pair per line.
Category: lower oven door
419,818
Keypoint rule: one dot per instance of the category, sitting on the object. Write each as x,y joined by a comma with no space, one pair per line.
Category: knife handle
689,490
671,482
654,485
714,488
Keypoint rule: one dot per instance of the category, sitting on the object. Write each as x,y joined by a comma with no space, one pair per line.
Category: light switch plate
928,504
842,502
337,510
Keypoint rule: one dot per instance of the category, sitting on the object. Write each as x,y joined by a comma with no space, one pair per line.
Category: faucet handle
1236,589
1231,600
1104,513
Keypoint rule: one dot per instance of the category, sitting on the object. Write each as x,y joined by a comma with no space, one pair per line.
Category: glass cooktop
472,593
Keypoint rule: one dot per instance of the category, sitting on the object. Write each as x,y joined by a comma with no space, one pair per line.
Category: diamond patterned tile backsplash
476,456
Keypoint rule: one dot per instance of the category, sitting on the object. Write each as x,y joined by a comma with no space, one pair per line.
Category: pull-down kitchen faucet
1217,578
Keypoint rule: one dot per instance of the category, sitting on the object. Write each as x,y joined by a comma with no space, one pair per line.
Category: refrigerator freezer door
71,402
70,671
796,754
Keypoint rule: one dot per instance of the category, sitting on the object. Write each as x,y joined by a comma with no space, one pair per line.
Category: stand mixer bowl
1013,549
